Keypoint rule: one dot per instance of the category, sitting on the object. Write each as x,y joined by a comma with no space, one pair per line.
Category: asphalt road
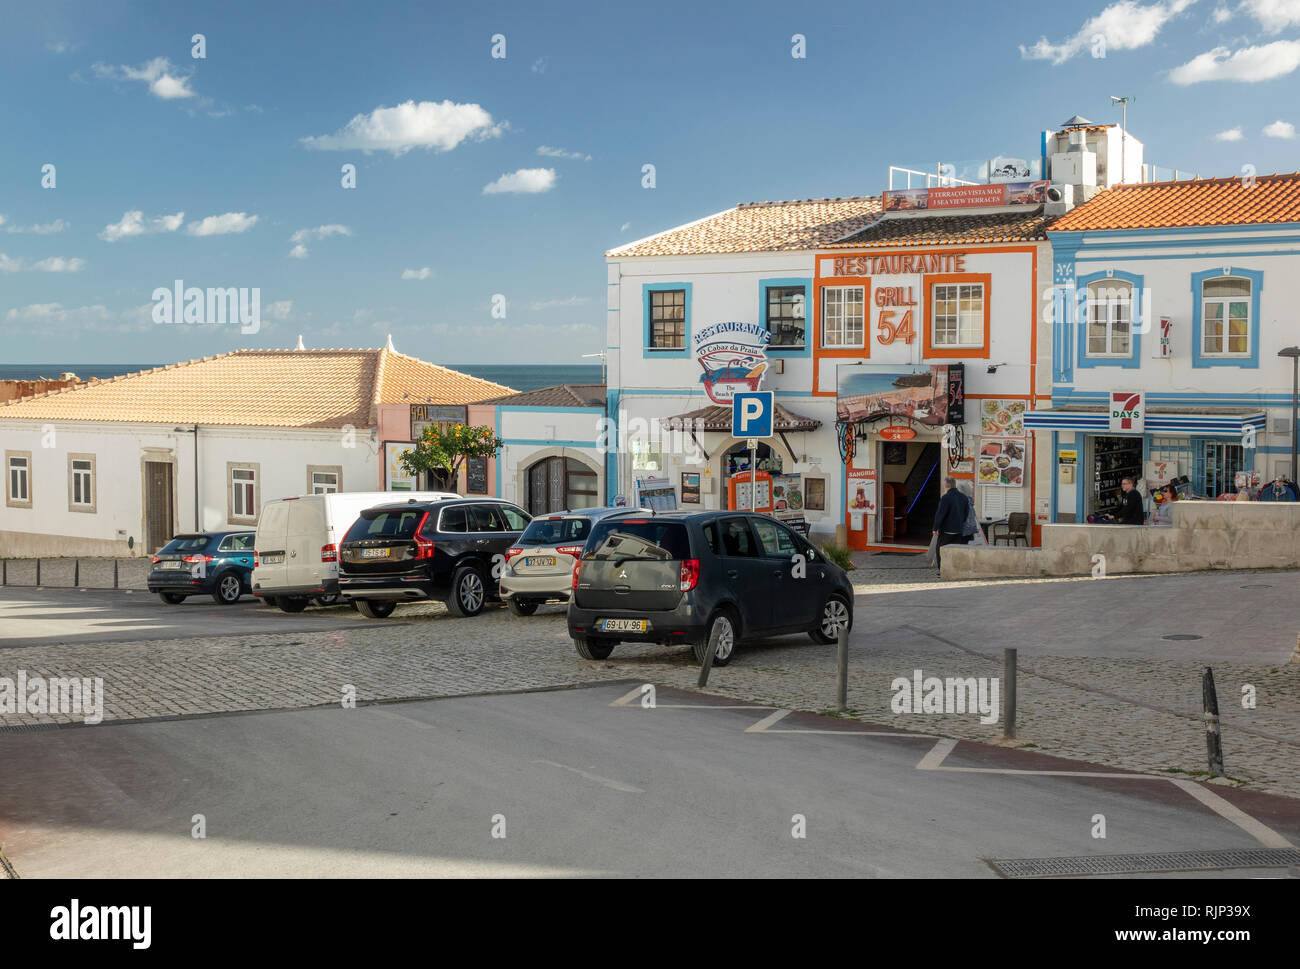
582,787
35,617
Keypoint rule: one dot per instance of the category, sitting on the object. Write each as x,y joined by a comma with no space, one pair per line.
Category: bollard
707,666
1213,737
114,573
4,571
1009,693
76,573
842,693
38,572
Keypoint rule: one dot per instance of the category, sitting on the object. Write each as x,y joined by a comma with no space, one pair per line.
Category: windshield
556,531
378,523
187,543
644,539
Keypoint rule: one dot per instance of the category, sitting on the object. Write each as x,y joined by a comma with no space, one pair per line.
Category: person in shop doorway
950,519
1130,510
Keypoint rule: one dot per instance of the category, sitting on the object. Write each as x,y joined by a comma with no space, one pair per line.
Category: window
1110,319
842,316
1225,316
785,316
814,494
243,493
515,519
737,540
668,319
453,519
379,523
481,519
1222,462
957,315
243,542
81,483
776,541
18,481
324,479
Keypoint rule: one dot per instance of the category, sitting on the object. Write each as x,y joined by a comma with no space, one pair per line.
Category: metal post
76,573
1213,737
753,476
1295,414
4,571
707,666
38,572
1009,693
114,573
842,694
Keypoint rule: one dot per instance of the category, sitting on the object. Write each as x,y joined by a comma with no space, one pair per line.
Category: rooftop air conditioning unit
1060,199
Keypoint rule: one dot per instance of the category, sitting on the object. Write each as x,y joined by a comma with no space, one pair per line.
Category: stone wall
81,573
1204,535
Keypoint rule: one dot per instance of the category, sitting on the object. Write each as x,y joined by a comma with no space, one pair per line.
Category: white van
296,551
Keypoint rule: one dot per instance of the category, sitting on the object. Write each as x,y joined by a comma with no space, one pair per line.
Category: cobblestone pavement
1132,704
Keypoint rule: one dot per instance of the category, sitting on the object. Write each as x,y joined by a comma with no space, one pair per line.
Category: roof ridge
837,198
97,382
1220,179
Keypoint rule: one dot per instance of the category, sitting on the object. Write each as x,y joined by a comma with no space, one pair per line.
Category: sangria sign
733,357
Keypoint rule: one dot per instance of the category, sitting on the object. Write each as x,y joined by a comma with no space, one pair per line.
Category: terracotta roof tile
760,227
1210,201
948,229
260,388
561,395
717,417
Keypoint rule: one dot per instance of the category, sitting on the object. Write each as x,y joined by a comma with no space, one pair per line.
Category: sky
488,188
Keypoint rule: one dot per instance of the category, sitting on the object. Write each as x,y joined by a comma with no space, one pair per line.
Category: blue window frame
783,312
1100,299
662,308
1224,321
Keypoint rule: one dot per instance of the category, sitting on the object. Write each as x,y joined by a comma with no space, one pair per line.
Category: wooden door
158,503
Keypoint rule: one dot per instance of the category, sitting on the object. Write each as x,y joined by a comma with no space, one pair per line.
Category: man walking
1130,510
950,519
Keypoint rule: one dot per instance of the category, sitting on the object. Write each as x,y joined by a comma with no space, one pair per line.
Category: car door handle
778,573
732,573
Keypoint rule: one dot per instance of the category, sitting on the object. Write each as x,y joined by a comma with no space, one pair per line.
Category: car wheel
467,592
330,600
292,603
721,639
593,648
228,589
171,598
835,613
521,608
375,608
271,601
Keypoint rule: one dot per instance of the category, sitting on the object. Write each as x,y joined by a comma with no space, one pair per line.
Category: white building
117,467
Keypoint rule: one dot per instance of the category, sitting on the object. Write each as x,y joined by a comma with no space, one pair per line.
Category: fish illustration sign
1127,411
733,357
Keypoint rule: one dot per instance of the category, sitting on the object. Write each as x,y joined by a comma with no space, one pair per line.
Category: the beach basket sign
732,356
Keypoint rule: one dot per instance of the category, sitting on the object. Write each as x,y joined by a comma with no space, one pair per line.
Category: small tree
442,451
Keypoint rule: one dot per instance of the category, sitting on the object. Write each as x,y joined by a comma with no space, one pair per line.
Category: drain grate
1134,864
24,727
1180,637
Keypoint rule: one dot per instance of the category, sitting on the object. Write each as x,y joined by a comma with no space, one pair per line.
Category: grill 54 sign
1127,411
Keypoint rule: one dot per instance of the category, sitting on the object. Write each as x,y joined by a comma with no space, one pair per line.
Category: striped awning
1232,423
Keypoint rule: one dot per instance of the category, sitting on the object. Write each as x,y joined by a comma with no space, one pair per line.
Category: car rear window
378,523
556,531
641,538
188,543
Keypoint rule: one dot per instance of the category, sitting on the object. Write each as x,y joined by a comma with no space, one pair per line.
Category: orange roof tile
261,388
1210,201
761,227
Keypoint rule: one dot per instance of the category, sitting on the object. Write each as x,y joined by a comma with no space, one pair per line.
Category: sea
519,376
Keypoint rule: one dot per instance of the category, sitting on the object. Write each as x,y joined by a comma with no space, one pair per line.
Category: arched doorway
559,483
736,459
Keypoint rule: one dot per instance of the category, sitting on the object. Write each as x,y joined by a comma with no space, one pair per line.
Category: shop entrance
911,475
737,459
1112,459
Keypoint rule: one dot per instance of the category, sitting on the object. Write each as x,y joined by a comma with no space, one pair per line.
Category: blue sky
248,143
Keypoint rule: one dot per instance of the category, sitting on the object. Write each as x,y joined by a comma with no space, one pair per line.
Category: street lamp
1294,354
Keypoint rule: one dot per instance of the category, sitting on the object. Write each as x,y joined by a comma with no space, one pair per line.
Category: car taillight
156,560
577,566
254,558
196,559
690,574
574,550
329,553
512,552
423,546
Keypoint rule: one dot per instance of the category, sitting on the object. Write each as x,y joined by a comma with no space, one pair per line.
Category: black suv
451,550
696,577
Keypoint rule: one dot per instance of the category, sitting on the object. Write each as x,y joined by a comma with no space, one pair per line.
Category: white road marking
603,781
1256,829
627,698
938,752
767,721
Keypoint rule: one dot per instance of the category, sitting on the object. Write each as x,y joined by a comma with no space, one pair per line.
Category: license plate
623,625
171,565
271,559
374,553
540,560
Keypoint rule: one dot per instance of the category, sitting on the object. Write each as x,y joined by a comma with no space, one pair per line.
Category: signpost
751,417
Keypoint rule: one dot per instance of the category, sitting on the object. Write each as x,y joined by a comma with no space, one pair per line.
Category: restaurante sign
733,357
895,265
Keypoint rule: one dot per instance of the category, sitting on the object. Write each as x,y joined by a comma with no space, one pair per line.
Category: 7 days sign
1128,411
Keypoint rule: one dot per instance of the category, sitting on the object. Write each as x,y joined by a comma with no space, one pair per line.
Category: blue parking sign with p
751,414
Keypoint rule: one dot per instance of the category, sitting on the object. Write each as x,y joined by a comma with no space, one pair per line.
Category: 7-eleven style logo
1127,411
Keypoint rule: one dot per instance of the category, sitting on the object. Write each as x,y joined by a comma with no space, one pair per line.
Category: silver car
539,567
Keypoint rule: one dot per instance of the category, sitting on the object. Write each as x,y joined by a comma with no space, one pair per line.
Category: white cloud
549,152
539,65
526,181
1250,64
162,78
298,252
1221,15
1280,129
51,264
547,304
220,225
59,46
8,265
439,126
40,229
279,310
82,318
1232,134
424,272
133,223
1126,25
1274,15
623,227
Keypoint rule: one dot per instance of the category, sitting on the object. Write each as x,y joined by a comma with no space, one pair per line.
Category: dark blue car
219,564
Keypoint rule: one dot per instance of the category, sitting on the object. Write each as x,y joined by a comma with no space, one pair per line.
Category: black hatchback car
693,577
452,550
219,564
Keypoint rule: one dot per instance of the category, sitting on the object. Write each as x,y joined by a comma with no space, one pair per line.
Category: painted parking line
595,778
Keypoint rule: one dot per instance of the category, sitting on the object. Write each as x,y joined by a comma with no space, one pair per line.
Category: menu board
787,495
656,493
398,479
1002,462
1002,417
476,476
